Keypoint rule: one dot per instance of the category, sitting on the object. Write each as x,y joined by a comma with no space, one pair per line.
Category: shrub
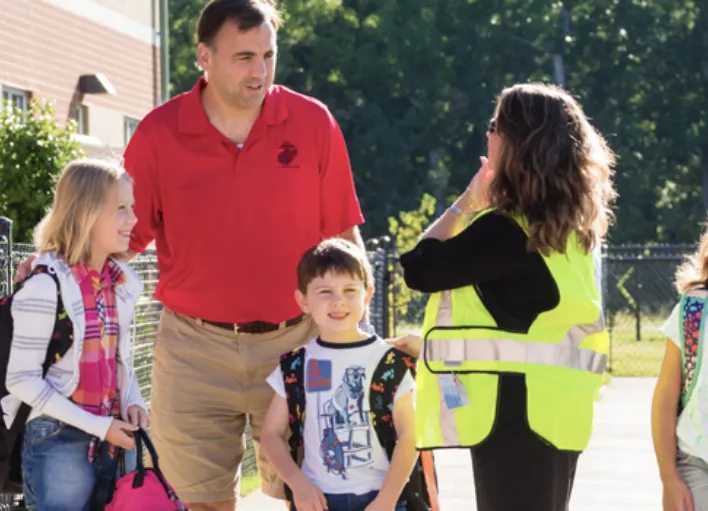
33,150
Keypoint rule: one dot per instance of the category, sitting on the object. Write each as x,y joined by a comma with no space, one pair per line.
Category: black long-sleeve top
514,284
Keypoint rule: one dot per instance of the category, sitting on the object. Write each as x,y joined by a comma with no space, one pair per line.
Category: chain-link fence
639,296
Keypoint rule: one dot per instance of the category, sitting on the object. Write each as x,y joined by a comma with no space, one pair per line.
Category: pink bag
146,489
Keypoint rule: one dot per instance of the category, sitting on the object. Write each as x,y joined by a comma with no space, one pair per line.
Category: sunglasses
492,128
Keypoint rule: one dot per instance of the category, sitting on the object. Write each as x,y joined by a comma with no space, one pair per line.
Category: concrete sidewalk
617,472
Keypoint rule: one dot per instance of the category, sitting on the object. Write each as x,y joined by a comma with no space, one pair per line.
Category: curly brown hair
694,270
553,168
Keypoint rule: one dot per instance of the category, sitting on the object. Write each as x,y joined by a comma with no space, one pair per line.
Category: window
129,127
19,98
81,117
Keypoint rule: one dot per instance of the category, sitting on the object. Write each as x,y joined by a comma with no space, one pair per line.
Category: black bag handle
142,439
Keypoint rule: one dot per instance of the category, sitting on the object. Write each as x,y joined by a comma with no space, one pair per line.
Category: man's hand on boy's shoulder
308,497
409,344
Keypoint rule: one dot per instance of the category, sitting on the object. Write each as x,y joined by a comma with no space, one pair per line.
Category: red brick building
99,60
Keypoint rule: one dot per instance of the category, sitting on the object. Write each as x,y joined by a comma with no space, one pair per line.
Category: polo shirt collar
193,119
274,110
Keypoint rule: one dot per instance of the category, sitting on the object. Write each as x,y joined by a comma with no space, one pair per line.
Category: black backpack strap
385,380
292,368
59,344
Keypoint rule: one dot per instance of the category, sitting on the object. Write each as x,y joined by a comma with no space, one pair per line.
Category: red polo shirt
230,224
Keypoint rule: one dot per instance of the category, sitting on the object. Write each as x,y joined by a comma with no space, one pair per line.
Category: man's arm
353,235
339,205
404,455
141,163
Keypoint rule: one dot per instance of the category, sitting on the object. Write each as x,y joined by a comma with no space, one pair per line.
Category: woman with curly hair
514,342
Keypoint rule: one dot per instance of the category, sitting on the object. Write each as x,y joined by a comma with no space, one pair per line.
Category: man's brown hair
554,169
334,255
247,14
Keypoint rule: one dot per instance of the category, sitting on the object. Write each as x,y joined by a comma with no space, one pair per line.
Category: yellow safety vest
563,355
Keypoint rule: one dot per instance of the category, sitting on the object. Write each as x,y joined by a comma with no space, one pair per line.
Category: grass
632,358
629,357
249,483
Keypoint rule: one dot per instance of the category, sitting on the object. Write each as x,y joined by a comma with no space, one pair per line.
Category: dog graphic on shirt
346,407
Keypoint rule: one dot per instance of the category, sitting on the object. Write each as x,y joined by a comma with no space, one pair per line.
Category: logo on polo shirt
287,154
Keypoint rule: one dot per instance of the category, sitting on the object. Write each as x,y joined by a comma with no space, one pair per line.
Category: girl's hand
409,344
120,434
138,417
677,496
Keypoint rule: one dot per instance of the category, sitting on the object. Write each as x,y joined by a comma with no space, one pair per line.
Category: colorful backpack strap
292,368
691,324
385,381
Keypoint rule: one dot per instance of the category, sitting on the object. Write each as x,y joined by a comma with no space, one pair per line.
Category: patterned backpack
384,382
11,438
692,324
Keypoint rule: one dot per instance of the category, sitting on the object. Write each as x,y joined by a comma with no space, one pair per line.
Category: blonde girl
81,295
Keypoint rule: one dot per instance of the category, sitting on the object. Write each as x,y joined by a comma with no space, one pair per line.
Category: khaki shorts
206,380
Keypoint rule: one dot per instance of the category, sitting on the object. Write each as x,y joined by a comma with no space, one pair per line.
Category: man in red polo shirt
234,180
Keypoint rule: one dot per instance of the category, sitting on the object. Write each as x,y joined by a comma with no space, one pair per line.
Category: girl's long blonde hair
694,271
81,195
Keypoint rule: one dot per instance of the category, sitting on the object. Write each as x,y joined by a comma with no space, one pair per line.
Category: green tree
637,68
33,150
408,305
183,17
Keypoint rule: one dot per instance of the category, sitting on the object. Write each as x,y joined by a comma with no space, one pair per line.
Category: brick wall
44,49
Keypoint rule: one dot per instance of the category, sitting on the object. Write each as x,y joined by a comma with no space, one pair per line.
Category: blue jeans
353,502
57,473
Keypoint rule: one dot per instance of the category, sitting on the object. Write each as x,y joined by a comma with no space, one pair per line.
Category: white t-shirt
342,451
671,327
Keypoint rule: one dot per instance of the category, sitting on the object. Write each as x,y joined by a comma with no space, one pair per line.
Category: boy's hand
138,417
409,344
677,496
308,497
120,434
380,505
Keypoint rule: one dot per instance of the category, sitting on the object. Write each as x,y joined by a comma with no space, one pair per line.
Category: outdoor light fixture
95,84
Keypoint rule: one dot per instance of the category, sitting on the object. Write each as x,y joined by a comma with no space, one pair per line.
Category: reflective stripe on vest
565,353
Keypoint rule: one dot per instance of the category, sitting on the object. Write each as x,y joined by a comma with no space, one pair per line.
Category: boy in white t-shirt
343,464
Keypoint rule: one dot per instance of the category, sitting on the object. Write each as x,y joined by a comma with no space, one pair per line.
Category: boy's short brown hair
338,256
